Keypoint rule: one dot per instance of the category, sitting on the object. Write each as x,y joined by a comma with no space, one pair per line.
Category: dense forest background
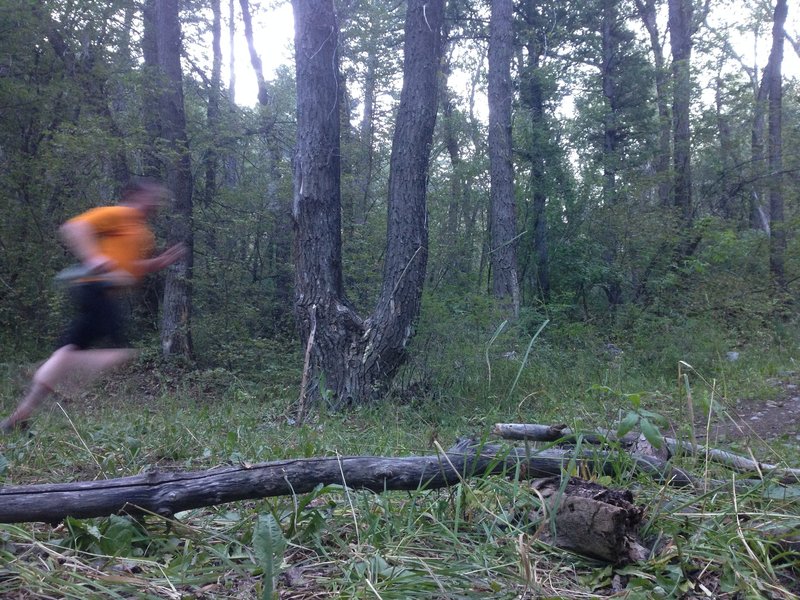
448,216
651,201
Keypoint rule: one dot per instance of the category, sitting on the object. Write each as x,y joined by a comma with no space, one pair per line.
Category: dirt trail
754,419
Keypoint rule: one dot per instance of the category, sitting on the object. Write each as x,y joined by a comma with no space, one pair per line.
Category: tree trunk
648,13
231,46
503,219
255,59
680,28
726,145
532,97
610,64
454,260
537,185
212,110
758,219
167,493
611,134
777,246
150,90
366,143
176,339
590,519
230,166
353,358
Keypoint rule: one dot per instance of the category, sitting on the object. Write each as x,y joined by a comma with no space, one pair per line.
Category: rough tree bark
591,519
680,27
503,219
167,493
777,246
352,357
532,97
176,339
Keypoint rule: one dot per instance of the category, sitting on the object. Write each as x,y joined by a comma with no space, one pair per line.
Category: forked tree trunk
353,358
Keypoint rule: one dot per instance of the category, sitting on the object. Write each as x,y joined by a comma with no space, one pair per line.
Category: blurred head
147,195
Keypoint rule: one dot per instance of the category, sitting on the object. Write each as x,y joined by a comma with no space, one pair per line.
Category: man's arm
81,238
162,261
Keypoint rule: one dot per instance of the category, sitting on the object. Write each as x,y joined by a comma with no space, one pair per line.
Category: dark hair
141,184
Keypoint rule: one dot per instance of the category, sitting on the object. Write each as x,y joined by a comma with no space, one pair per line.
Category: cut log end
592,520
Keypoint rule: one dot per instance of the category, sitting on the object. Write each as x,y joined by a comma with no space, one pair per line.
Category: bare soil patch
752,420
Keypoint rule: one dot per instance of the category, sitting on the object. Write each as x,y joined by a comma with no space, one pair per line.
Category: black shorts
99,317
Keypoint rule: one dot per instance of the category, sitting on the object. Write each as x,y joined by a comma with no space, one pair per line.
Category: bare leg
66,363
81,367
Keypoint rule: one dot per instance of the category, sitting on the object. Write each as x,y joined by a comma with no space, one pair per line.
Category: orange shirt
122,234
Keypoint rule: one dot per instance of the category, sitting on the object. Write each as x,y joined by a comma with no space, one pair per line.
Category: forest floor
756,419
359,545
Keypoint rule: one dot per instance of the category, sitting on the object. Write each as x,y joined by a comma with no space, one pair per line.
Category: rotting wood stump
590,519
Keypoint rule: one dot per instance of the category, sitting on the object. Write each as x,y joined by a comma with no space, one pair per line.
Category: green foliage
475,538
627,310
645,419
113,536
269,544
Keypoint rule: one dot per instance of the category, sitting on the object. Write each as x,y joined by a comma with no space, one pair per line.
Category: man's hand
118,278
171,255
98,264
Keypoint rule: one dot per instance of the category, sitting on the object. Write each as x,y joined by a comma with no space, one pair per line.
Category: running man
114,244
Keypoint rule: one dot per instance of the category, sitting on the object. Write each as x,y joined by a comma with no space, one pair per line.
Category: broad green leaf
651,433
628,423
654,417
269,546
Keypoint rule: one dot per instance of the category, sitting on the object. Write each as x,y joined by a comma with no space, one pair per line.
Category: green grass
474,540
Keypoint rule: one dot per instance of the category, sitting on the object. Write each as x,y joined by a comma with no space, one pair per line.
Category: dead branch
562,434
735,462
558,433
167,493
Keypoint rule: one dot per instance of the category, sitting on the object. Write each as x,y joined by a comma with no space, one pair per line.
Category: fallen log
558,433
563,435
167,493
733,461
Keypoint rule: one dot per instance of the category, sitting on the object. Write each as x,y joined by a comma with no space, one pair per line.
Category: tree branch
167,493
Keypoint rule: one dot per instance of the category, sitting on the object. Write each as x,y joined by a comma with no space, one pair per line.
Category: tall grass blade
525,358
497,332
